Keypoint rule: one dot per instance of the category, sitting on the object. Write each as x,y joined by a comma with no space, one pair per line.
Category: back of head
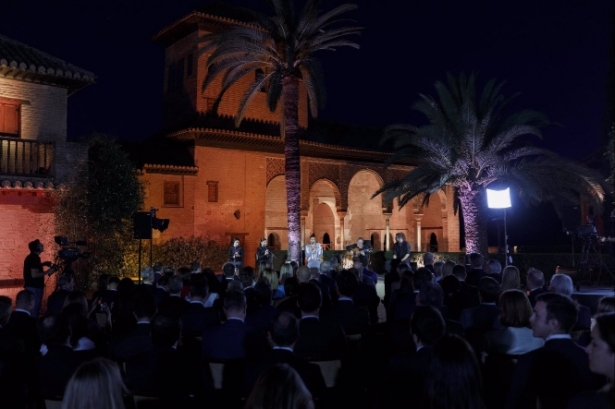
494,266
280,387
95,384
309,297
347,283
516,309
314,273
126,287
428,258
195,267
303,274
77,297
198,286
147,275
286,268
606,304
24,299
113,282
561,284
511,279
447,268
605,323
247,277
272,276
450,284
427,324
437,266
291,286
460,272
163,281
235,285
262,292
325,266
476,260
234,302
5,309
562,308
535,278
176,284
421,277
145,306
285,329
165,330
489,289
431,294
54,329
454,375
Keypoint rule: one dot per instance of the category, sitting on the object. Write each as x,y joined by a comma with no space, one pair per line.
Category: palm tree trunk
290,94
473,212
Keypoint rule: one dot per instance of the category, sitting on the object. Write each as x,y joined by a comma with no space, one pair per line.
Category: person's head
511,279
25,300
77,297
431,294
96,384
235,242
114,283
357,263
36,246
65,282
309,299
263,292
426,325
195,267
103,281
561,284
247,277
400,237
428,259
199,291
287,269
303,274
312,239
325,266
235,304
158,268
145,307
314,273
235,285
454,375
163,282
422,276
516,309
272,276
437,266
460,272
360,241
476,260
165,330
54,329
447,268
264,242
488,289
535,278
606,304
279,387
5,309
450,284
347,283
169,271
176,284
291,286
553,314
285,330
494,266
147,275
601,350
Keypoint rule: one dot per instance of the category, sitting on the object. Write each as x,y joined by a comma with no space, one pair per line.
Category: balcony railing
21,157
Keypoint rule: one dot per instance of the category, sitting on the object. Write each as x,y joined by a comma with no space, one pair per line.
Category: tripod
587,264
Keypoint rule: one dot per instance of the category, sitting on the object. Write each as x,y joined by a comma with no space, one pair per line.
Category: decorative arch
365,214
334,188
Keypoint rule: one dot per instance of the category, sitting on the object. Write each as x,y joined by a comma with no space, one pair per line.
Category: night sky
557,54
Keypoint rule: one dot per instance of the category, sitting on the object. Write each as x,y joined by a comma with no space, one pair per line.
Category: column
341,215
302,231
418,217
387,231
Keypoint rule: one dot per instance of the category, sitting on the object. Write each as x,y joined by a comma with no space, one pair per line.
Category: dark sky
555,53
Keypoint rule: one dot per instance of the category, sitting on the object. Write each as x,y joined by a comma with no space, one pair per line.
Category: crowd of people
452,336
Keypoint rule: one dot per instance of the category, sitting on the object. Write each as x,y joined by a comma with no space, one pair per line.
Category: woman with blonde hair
280,387
276,288
96,384
511,279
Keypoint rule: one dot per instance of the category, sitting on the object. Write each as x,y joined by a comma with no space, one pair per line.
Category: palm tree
282,48
469,144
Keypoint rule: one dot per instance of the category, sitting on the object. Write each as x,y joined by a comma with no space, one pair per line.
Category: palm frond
249,95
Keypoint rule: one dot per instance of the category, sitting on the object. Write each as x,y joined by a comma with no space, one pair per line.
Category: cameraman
33,274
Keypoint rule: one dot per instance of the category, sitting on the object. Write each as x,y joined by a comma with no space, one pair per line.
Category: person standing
235,255
313,253
33,274
263,254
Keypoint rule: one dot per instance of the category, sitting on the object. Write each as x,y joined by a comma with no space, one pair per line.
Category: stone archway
364,213
322,216
324,222
275,211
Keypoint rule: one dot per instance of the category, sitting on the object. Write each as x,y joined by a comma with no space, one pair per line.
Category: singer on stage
263,254
313,253
235,255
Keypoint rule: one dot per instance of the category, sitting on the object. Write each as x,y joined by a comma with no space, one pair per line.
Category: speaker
142,225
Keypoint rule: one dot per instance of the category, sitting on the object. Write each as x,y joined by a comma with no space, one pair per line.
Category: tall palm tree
282,48
470,144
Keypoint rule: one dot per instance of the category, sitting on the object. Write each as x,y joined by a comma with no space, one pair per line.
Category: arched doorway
326,242
273,242
364,213
324,222
375,240
433,243
275,211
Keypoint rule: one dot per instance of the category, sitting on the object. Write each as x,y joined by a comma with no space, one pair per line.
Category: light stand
500,199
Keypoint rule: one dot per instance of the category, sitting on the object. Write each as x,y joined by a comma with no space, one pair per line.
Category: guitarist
361,249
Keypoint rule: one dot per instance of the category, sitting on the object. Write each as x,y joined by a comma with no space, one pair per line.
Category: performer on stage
361,249
33,274
313,253
401,249
235,255
263,254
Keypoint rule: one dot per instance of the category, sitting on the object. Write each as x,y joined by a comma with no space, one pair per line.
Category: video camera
71,251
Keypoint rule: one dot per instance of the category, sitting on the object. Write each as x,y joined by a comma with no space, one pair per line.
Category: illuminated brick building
219,181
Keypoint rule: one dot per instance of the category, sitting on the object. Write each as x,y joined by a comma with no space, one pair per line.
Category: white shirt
85,344
343,298
285,348
310,316
21,310
210,300
558,336
234,318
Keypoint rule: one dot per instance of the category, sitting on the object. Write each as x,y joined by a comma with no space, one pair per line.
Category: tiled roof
20,61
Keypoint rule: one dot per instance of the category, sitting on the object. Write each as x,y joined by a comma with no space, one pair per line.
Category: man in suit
324,289
139,340
317,339
428,260
289,302
562,284
326,279
12,369
22,325
352,318
366,295
494,270
233,339
535,283
405,376
175,303
431,294
262,316
110,294
284,334
475,270
485,315
373,277
196,318
466,297
553,374
55,302
162,289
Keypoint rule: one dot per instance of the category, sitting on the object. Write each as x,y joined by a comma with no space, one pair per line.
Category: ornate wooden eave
36,185
170,169
226,139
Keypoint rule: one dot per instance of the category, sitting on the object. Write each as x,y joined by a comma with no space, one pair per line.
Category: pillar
341,216
387,230
418,217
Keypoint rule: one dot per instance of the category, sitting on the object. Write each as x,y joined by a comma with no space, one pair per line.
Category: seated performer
235,255
361,249
313,253
401,251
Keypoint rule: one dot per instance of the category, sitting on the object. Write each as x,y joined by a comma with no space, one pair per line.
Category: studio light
500,199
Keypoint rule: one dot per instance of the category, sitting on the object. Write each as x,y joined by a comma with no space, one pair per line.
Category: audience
535,284
475,270
562,284
280,387
511,280
494,270
96,384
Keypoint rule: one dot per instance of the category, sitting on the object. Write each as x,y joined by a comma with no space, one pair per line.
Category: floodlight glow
498,199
